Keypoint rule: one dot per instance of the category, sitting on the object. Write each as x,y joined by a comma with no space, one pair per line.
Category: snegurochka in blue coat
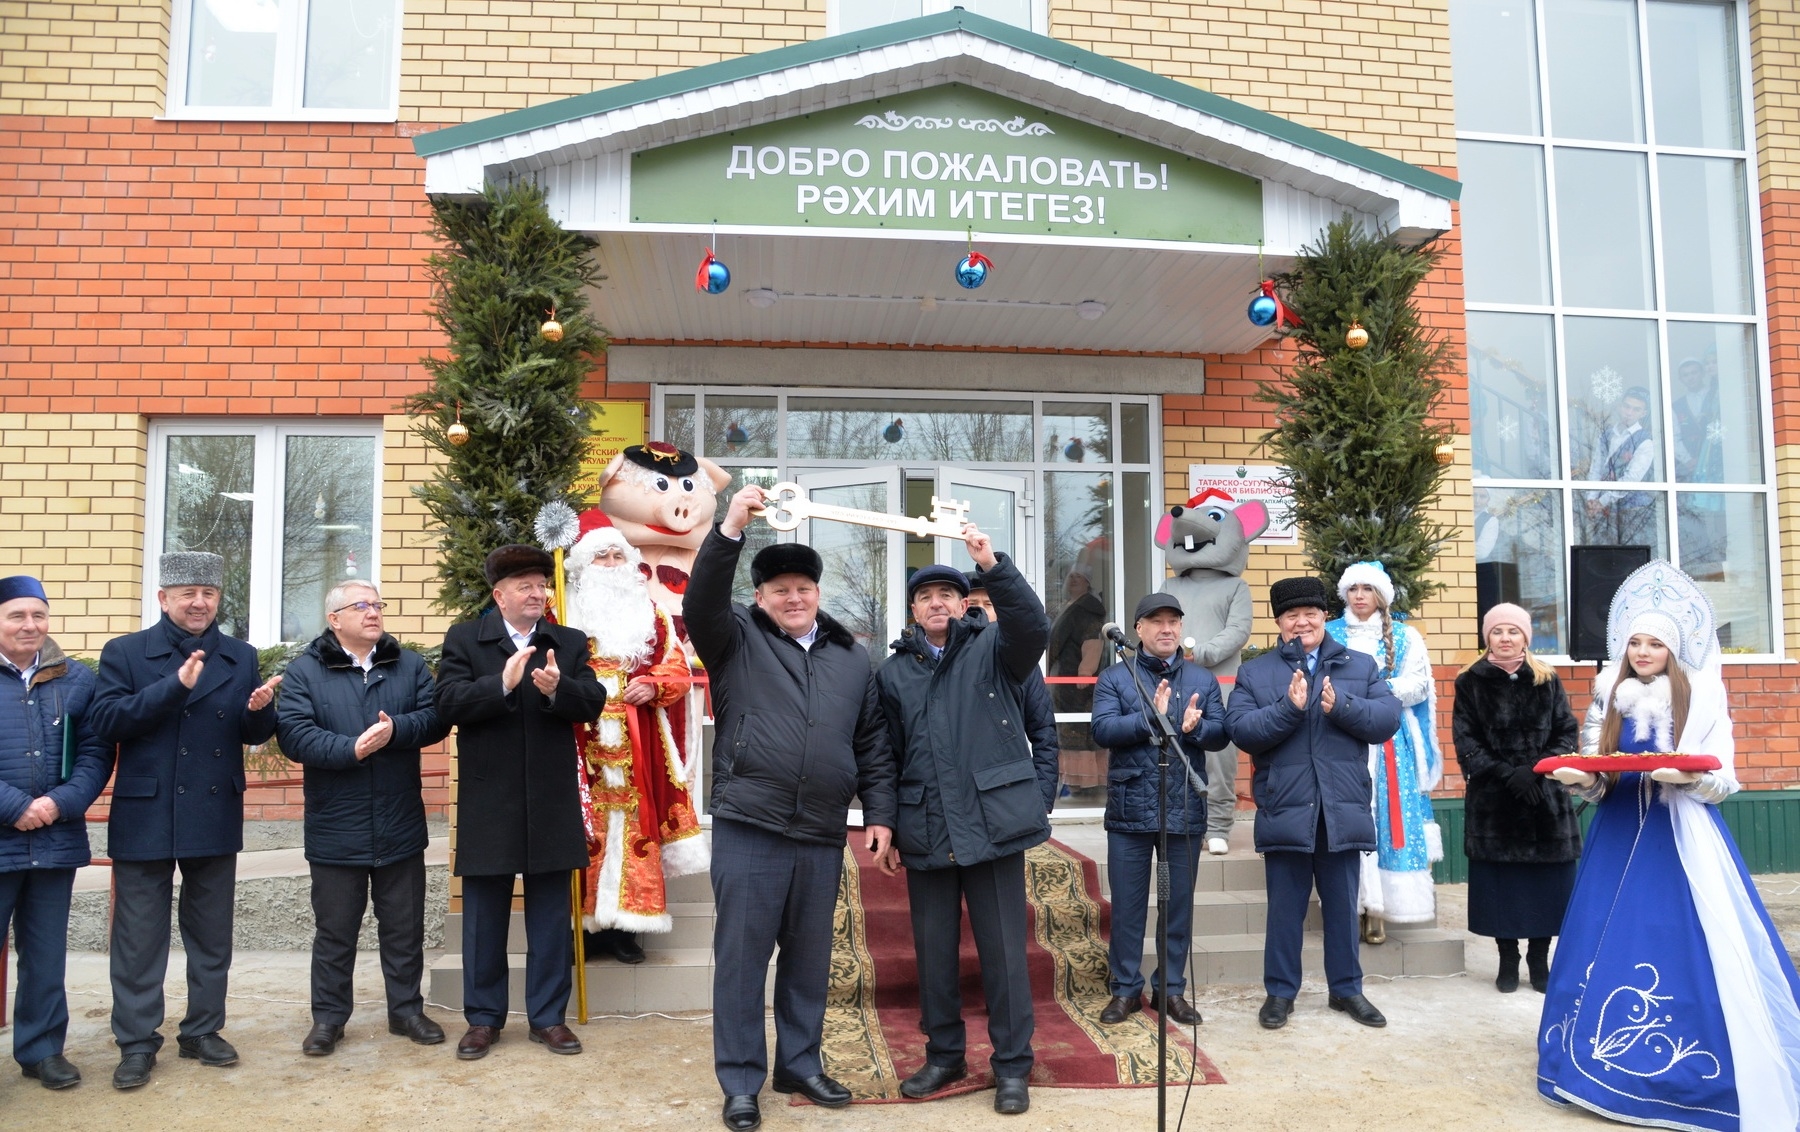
1187,695
52,767
181,699
1305,712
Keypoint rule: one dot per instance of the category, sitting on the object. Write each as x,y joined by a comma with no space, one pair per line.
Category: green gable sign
950,158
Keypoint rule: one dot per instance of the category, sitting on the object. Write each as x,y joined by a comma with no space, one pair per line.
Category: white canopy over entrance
814,275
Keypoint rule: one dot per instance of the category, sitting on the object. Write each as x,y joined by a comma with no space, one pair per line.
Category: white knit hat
1371,574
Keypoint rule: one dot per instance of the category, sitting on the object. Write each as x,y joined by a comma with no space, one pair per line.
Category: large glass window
1615,330
292,508
318,60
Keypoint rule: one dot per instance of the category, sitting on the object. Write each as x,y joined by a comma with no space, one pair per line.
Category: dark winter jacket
32,721
797,733
1503,721
1308,760
969,791
179,791
1040,728
1119,725
518,782
367,812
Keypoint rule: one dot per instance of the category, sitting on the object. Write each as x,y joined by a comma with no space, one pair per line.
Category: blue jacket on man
1308,760
31,762
179,791
1119,725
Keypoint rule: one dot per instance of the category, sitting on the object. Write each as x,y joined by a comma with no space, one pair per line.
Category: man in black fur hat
514,685
798,733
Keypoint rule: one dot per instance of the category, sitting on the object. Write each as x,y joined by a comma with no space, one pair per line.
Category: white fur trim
687,856
1649,708
1366,574
1408,897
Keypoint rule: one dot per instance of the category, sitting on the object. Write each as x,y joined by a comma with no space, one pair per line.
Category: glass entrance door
999,503
862,586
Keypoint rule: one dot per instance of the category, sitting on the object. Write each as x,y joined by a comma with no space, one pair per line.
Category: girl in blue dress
1672,1002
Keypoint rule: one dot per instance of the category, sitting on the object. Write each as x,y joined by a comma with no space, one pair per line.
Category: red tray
1595,764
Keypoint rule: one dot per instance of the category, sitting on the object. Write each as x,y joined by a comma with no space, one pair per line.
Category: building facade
215,298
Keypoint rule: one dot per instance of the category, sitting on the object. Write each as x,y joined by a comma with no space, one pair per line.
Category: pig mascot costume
662,500
1207,543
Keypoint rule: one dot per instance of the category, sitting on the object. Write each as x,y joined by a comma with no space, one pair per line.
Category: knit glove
1525,785
1572,776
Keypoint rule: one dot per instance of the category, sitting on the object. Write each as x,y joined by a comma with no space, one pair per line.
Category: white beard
611,605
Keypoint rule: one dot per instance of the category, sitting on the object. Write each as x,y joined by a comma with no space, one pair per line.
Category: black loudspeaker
1495,582
1595,573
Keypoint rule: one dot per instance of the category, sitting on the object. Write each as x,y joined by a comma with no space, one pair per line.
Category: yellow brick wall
72,514
408,547
66,57
1775,75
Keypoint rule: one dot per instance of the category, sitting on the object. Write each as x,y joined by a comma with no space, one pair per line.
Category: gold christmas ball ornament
552,330
1356,337
457,433
1445,452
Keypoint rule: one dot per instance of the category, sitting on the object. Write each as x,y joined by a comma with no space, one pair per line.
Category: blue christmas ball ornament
1263,310
718,277
972,270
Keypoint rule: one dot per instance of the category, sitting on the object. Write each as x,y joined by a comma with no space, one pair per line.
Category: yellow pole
575,893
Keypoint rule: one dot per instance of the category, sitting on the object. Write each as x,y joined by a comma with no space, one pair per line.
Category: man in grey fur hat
181,699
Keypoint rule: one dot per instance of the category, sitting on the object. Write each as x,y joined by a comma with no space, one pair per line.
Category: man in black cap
1305,713
797,735
970,805
514,685
181,699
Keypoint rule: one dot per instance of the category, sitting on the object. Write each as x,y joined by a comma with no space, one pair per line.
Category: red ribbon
1396,819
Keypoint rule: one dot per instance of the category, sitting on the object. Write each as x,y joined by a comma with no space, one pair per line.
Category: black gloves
1525,785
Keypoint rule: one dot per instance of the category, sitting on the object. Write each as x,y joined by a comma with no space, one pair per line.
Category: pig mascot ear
612,469
721,479
1253,516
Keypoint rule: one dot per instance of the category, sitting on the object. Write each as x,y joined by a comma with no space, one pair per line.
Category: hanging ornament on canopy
894,433
972,269
1267,309
713,276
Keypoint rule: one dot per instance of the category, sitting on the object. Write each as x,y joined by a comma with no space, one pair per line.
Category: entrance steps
1230,909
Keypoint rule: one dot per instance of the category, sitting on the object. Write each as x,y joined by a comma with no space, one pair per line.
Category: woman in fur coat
1519,829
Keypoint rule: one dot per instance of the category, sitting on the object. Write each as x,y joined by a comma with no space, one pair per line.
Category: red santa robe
642,825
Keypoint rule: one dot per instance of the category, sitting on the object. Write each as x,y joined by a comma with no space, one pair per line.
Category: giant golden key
786,504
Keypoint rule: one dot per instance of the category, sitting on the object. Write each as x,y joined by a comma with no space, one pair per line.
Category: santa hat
1371,574
597,533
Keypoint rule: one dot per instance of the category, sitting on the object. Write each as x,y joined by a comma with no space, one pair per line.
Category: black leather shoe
627,949
134,1070
1012,1095
742,1113
820,1089
932,1078
1118,1009
1359,1008
1180,1011
1274,1012
417,1027
321,1039
54,1072
476,1042
210,1049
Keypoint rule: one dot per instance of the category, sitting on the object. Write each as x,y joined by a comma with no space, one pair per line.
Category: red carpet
872,1037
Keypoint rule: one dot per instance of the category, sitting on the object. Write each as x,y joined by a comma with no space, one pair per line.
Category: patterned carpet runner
872,1035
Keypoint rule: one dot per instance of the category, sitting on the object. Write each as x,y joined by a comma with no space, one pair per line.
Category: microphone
1113,633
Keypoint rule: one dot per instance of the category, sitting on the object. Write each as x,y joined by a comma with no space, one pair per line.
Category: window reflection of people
1487,529
1700,458
1075,651
1624,452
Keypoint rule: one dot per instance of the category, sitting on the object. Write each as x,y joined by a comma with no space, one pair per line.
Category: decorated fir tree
504,407
1354,426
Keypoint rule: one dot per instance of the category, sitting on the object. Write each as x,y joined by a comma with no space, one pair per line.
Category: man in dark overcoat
355,709
181,699
970,805
797,735
514,686
1306,713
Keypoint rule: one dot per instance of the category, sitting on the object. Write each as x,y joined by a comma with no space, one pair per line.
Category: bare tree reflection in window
210,505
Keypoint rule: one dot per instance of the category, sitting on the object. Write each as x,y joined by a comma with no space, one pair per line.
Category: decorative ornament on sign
1016,127
894,120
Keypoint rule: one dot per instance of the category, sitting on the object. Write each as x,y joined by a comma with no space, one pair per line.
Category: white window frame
1040,14
267,534
1548,142
290,74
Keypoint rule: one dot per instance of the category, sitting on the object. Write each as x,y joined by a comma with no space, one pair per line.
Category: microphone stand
1167,743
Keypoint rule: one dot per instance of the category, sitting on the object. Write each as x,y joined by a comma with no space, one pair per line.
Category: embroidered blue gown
1632,1025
